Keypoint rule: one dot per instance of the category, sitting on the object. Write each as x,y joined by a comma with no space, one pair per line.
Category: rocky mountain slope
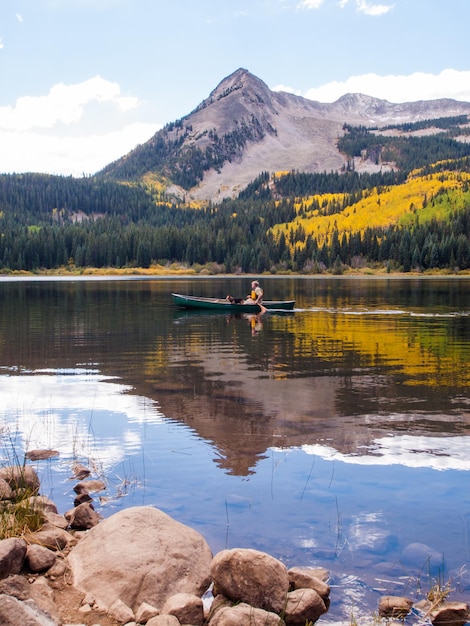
243,128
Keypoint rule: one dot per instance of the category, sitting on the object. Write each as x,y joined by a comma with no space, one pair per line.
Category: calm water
338,435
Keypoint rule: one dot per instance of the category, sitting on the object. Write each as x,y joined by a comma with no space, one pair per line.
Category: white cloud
69,155
368,8
63,103
418,86
53,410
19,17
311,4
32,136
372,9
362,6
438,453
286,89
1,43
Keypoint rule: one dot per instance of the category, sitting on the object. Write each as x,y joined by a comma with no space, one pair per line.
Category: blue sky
84,81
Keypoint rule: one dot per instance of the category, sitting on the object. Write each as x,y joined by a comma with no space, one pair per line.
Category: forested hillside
414,214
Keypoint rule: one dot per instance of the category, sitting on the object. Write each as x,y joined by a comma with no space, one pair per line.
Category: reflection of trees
320,375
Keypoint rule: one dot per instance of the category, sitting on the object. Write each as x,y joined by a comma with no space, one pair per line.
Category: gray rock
20,477
16,586
145,612
164,620
242,614
39,558
80,471
58,569
12,556
140,555
56,520
5,490
250,576
89,486
81,498
43,597
14,612
41,455
82,517
418,555
187,607
121,612
451,614
395,606
51,537
42,503
306,578
302,606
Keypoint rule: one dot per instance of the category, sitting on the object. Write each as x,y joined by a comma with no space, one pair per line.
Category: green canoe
221,304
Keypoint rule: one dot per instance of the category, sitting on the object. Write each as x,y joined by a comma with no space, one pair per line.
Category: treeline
407,153
302,184
31,198
429,246
240,244
47,222
230,238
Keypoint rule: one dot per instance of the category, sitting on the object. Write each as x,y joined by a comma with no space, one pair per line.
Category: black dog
233,300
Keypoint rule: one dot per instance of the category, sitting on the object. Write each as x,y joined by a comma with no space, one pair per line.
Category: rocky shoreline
140,566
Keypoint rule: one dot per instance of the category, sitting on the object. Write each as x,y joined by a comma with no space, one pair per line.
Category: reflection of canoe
218,304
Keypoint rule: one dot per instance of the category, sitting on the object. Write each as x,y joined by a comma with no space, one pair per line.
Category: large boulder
250,576
140,555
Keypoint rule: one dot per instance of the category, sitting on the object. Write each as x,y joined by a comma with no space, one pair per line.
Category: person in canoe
255,296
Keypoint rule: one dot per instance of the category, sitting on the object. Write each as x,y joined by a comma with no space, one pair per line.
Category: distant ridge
243,128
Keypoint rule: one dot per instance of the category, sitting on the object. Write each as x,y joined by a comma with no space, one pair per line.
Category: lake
337,435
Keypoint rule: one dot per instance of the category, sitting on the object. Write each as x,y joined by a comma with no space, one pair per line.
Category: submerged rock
451,614
41,455
395,606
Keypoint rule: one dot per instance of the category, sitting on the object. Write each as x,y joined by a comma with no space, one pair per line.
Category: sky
82,82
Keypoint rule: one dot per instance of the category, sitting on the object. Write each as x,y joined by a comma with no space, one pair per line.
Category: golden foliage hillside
420,199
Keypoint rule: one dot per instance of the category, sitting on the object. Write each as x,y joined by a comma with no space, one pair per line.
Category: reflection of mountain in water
245,414
335,374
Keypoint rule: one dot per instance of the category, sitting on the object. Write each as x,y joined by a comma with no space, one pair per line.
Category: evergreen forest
412,216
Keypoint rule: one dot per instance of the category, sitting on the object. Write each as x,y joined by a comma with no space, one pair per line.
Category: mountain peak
243,128
240,81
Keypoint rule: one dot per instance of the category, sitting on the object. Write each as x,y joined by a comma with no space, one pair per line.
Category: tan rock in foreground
251,576
140,555
245,614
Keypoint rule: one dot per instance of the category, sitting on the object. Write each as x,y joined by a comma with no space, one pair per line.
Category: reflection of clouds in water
77,412
367,532
439,453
